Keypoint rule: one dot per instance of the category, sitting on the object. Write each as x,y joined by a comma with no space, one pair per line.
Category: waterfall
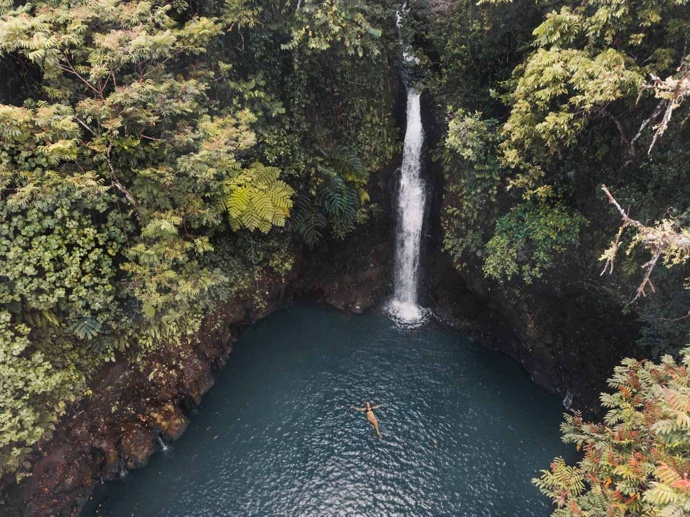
404,308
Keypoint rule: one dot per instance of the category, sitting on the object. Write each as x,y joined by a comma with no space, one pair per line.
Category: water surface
464,430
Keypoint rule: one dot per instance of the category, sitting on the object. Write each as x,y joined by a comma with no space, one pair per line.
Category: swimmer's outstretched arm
376,407
358,408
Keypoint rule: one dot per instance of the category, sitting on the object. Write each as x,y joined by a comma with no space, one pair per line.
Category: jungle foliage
153,153
544,103
636,461
565,142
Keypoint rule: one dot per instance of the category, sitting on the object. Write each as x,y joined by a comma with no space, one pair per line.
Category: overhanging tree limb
666,239
673,90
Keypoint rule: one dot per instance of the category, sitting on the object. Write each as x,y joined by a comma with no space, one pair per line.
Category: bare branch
83,124
673,90
651,118
69,68
614,246
648,267
666,239
127,194
676,319
626,219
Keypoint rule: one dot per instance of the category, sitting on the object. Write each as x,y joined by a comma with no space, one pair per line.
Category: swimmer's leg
376,427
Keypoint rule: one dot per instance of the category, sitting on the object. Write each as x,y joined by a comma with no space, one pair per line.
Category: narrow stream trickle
411,198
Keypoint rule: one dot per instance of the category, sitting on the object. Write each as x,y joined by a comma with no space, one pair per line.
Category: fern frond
257,200
86,328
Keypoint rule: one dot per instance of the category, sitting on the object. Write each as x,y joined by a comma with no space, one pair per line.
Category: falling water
404,308
164,446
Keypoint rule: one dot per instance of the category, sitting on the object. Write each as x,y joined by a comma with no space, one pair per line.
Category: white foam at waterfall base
404,308
407,315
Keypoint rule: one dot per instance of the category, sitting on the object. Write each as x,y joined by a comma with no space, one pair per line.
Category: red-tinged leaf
682,484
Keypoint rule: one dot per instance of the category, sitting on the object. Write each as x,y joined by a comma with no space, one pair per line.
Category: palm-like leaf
86,328
257,200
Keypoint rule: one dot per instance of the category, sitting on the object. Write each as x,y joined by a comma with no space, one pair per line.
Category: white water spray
164,446
409,59
411,197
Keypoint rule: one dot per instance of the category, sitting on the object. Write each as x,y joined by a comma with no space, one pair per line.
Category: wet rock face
132,406
171,421
352,279
569,341
107,449
136,446
354,291
60,472
354,274
196,378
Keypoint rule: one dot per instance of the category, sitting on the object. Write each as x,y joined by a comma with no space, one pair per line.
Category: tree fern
339,199
347,163
308,220
344,162
340,176
256,199
86,328
636,462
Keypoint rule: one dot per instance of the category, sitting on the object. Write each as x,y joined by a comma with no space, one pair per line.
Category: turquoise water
464,430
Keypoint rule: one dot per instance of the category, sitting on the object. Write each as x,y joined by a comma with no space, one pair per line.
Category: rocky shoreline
569,342
135,407
132,406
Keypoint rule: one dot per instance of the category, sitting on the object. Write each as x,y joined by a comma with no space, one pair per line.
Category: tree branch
70,70
115,181
127,194
83,124
677,319
651,118
673,90
664,239
624,136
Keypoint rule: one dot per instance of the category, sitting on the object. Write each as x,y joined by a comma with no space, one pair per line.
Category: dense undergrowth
152,154
544,103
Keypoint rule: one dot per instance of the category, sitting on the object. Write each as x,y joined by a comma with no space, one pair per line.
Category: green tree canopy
146,135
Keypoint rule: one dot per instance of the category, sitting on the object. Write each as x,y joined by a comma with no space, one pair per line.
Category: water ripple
463,429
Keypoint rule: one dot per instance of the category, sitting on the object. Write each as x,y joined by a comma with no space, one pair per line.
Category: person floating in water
369,409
